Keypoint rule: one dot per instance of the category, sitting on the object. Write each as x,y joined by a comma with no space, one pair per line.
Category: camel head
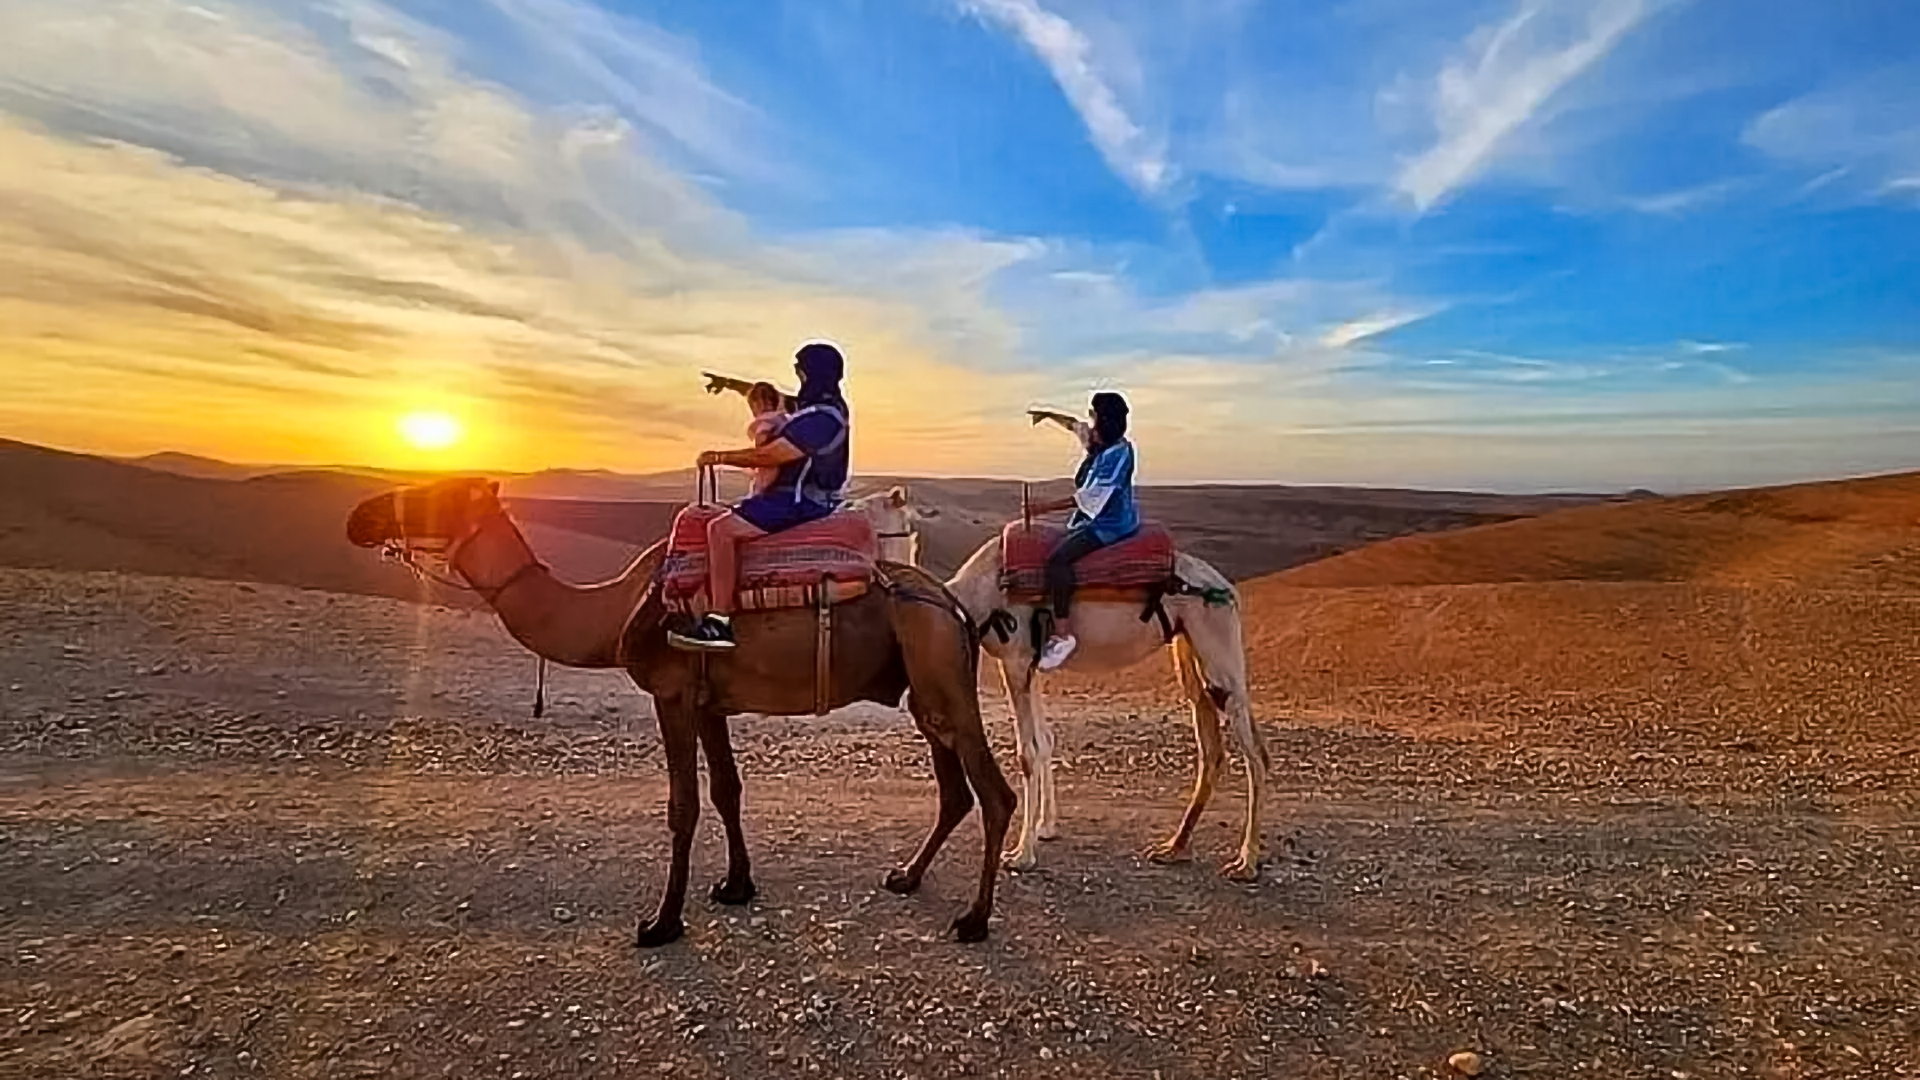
440,513
894,523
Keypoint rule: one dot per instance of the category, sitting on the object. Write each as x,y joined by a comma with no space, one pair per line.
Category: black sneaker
713,633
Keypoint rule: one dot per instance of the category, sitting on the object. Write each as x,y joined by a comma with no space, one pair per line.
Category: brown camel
908,633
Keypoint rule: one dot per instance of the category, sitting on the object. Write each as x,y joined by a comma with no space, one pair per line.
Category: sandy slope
1861,533
1788,613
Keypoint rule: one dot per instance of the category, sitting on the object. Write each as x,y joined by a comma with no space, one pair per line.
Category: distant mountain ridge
187,515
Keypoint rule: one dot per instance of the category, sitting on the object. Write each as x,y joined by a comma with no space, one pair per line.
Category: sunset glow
269,231
430,430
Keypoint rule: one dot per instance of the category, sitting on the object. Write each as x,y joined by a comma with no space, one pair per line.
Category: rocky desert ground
1547,793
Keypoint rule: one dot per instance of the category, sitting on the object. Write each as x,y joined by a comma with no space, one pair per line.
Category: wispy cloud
1369,326
1506,75
1083,319
1682,200
1863,134
1709,348
1138,157
592,56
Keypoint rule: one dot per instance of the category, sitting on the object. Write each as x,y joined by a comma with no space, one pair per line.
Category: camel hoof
731,894
1241,870
900,882
655,933
1048,832
1018,860
1168,853
969,928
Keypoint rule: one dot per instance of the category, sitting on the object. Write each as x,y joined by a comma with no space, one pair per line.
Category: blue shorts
777,513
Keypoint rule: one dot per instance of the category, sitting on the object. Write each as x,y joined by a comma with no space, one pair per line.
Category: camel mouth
373,522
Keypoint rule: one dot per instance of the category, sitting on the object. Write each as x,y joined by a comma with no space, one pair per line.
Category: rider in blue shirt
812,456
1104,511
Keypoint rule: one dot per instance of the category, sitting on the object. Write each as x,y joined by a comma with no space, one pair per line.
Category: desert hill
206,468
1842,534
1793,608
64,511
1243,530
182,515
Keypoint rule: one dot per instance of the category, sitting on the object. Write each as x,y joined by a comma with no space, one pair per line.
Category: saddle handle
707,486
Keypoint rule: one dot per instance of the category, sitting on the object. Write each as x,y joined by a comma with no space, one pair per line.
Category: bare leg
1212,754
956,800
724,535
683,813
723,788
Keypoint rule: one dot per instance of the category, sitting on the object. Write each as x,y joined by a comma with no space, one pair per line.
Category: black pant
1079,544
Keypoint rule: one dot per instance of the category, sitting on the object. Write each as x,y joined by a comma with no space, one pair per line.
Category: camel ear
493,486
898,497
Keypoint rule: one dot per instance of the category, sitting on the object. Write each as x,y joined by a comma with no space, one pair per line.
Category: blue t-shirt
1103,495
821,433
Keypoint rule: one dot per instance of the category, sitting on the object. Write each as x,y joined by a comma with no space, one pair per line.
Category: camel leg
1035,749
996,813
1048,824
956,800
1212,753
682,748
946,701
1252,747
1222,662
723,789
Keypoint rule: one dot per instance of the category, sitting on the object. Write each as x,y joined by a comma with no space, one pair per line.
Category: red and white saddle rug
1134,565
783,570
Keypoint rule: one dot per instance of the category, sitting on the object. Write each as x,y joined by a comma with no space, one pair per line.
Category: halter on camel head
430,517
434,520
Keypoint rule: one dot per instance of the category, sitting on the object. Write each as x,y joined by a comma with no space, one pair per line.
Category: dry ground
252,831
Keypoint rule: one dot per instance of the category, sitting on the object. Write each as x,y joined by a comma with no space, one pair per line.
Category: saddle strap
1156,607
823,651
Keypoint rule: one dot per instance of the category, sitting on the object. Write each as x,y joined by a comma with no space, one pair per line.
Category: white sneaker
1057,651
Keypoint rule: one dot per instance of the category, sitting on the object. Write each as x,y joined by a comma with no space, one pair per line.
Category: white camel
1209,659
892,516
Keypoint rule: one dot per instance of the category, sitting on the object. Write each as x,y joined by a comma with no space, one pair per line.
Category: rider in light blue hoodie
1104,510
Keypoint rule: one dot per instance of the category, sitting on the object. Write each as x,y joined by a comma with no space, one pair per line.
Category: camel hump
1142,560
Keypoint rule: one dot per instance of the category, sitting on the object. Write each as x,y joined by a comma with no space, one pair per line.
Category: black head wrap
1109,427
821,368
1109,417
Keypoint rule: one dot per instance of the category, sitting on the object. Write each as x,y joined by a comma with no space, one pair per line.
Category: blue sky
1511,244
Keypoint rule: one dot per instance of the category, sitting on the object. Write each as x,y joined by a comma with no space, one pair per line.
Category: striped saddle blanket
783,570
1137,563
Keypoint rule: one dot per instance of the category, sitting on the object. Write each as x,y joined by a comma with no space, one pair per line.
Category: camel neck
977,583
571,625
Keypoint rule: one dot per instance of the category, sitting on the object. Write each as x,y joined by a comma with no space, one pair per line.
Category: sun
427,430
